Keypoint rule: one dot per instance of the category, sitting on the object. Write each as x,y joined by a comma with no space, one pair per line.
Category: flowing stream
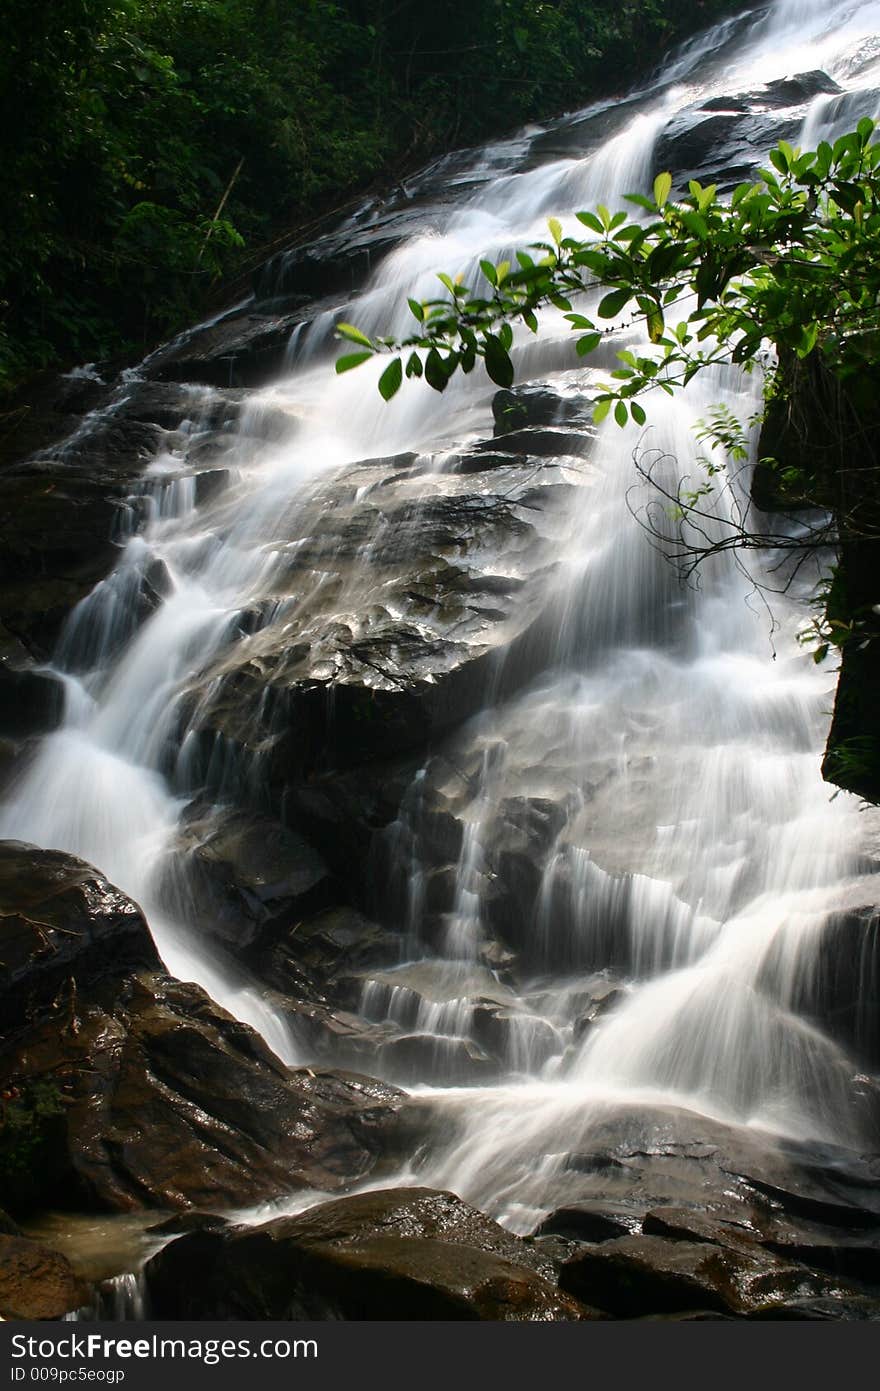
700,885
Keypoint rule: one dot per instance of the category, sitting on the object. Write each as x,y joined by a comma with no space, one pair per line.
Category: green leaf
414,365
601,409
436,374
345,364
588,344
489,271
353,334
418,310
498,363
590,220
809,336
637,412
612,304
389,382
555,229
620,413
662,188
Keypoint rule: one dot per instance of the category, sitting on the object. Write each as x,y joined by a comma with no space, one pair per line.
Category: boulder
245,348
126,1089
157,1098
400,1253
533,405
61,921
36,1282
246,879
31,701
387,657
723,147
592,1222
638,1275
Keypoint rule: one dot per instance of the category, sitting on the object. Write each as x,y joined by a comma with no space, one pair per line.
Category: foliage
143,114
791,259
28,1126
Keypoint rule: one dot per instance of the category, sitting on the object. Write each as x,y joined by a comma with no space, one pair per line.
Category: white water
717,854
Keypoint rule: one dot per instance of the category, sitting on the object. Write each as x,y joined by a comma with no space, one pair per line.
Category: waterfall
691,857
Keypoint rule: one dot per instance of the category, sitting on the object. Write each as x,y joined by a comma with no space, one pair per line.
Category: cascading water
689,853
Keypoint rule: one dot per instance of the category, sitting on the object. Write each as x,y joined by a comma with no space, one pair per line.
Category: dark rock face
129,1089
64,509
638,1275
168,1102
58,519
403,1253
248,877
841,989
533,406
722,145
826,432
338,262
31,702
36,1282
388,657
60,920
245,349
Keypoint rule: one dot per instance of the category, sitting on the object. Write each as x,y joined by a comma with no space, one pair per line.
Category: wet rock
723,147
244,349
187,1222
36,1282
329,953
841,989
591,1222
31,702
402,1253
828,1309
227,1122
690,1224
398,642
126,1089
246,878
513,1036
534,405
61,921
338,262
536,444
515,847
638,1275
58,520
787,92
170,404
410,1058
602,1002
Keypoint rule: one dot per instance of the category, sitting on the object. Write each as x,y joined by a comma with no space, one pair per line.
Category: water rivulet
416,753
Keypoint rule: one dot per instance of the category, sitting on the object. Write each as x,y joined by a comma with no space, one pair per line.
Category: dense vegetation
146,144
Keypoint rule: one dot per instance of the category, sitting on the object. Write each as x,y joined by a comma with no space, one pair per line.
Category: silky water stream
691,857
